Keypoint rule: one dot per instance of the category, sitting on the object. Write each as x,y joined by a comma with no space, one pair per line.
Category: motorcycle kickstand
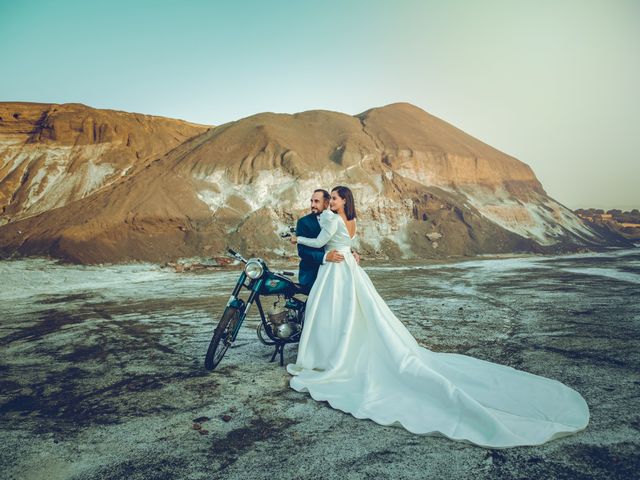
279,349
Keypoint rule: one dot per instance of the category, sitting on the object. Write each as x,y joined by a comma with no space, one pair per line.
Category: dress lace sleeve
329,228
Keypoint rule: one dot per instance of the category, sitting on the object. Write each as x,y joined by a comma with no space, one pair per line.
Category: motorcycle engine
283,322
289,327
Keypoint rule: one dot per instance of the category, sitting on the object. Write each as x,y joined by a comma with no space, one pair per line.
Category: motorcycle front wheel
218,346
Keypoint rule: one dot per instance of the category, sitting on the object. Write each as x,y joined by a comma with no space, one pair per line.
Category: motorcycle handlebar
288,274
236,255
291,231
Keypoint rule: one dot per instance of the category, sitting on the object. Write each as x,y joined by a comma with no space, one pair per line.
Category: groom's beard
317,212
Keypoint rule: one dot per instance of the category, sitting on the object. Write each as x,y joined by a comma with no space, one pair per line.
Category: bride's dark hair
349,204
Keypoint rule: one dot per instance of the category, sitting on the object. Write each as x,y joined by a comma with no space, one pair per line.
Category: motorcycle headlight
254,269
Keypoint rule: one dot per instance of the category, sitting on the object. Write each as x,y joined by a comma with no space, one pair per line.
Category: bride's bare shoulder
352,227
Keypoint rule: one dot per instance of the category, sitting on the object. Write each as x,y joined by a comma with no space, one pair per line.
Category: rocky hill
423,189
53,154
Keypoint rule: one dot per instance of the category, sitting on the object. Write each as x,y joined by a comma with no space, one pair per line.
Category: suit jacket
310,258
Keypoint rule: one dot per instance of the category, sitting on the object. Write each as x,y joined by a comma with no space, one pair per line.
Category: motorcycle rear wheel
218,345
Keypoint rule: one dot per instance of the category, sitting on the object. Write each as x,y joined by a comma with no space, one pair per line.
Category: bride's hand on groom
293,239
334,256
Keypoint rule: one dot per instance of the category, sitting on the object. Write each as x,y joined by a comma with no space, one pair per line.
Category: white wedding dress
355,354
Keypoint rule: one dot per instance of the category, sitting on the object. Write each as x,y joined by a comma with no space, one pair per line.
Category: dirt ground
103,377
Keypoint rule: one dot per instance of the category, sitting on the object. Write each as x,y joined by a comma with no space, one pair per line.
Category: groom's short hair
325,194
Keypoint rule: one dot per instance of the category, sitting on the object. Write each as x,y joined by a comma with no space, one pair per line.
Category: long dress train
355,354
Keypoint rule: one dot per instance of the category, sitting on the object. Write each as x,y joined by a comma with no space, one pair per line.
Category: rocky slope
423,189
53,154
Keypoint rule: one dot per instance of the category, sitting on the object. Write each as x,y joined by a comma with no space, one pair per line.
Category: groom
311,258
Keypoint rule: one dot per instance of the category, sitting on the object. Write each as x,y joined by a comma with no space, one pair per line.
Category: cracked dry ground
103,378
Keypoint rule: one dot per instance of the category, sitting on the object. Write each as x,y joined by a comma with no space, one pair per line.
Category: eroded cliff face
422,187
52,154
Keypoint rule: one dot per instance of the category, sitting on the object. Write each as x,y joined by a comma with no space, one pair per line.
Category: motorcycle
280,326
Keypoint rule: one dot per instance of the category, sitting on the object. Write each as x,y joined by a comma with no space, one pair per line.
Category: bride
355,354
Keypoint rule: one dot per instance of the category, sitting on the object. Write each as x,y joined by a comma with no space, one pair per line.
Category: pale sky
554,83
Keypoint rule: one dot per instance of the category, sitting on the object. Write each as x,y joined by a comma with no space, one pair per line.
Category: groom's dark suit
310,258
